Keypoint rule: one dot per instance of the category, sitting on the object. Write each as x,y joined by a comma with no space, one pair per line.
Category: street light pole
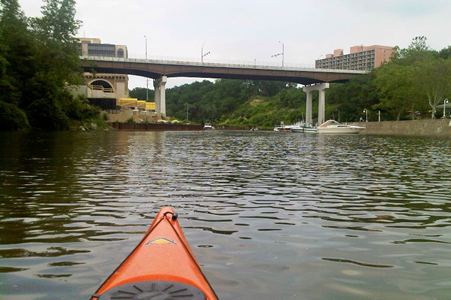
444,107
147,79
202,55
366,114
283,52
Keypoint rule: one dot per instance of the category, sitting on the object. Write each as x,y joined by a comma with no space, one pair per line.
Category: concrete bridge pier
160,94
320,87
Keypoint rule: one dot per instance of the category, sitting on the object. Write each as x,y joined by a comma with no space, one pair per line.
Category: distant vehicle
208,126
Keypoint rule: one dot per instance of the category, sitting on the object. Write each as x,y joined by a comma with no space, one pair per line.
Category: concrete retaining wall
152,126
437,127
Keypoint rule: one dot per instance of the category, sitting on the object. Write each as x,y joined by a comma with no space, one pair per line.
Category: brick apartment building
359,58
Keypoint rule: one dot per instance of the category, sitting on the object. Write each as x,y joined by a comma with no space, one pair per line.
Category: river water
269,215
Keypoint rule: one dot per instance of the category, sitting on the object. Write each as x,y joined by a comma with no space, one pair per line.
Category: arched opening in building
101,85
120,52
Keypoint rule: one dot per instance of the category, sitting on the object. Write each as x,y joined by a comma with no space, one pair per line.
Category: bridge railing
244,65
100,88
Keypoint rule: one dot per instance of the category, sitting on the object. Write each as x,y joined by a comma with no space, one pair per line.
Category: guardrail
100,88
218,65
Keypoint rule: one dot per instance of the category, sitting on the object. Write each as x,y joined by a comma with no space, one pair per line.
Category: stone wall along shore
436,127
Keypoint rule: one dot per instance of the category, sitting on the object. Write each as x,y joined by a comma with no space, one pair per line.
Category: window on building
101,50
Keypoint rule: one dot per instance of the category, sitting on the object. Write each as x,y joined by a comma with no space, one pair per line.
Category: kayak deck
161,267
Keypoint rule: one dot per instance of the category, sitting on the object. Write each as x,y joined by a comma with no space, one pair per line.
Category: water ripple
356,215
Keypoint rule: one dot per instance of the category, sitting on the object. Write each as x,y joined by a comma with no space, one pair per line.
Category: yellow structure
127,102
135,103
150,106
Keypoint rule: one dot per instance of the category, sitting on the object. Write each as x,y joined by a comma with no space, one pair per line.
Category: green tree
57,62
396,86
350,99
418,50
58,49
141,94
445,53
415,74
434,80
17,53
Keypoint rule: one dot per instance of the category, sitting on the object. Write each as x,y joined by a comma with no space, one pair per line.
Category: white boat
208,126
287,128
281,128
299,129
333,127
303,128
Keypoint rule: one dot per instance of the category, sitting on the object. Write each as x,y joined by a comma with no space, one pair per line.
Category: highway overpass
161,70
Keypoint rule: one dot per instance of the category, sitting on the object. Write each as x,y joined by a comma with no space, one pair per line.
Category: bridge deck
157,68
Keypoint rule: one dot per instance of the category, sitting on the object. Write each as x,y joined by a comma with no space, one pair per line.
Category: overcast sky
254,30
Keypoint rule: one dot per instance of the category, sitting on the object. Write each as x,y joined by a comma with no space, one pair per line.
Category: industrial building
103,89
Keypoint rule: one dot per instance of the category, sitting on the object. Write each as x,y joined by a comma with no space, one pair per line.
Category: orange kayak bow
162,266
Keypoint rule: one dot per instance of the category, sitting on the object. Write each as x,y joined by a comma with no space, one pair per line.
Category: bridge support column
160,94
320,87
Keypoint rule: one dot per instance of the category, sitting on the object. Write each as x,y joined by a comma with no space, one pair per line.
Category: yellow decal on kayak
161,241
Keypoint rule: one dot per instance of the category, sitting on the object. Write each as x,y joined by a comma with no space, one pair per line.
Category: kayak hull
162,264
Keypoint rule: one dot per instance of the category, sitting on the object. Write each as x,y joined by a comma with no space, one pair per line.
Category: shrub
12,118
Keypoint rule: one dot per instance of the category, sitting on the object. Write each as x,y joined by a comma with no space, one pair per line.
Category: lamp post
444,107
147,79
202,55
283,53
186,111
366,114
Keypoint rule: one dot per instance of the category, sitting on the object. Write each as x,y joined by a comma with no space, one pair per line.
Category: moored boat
162,266
334,127
288,128
298,129
310,129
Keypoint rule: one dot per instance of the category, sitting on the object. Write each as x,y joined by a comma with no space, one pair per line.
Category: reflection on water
268,215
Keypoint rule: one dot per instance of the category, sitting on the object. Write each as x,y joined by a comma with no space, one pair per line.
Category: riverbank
437,127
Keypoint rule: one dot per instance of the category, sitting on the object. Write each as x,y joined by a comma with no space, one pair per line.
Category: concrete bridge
159,70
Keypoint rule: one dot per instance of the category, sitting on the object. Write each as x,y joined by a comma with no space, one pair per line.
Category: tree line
409,86
39,60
